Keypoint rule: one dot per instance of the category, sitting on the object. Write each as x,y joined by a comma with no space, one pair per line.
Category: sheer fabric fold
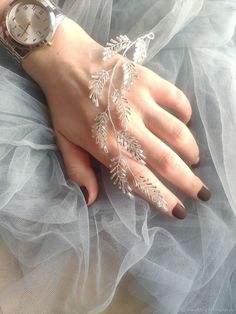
121,255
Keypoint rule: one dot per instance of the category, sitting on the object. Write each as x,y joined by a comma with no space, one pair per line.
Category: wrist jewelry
28,25
119,167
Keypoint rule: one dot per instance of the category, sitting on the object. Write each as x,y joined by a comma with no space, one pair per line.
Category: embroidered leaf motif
119,167
97,84
99,130
140,52
129,74
151,192
118,170
122,107
141,47
115,96
114,46
131,145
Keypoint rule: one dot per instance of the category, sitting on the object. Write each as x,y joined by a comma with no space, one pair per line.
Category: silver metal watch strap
57,11
19,53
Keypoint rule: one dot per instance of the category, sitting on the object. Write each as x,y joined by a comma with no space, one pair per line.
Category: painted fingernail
196,165
204,194
179,212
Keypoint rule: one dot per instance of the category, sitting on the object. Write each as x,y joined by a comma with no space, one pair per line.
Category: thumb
78,166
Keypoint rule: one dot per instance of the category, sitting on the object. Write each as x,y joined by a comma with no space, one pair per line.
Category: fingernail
196,165
204,194
189,123
179,212
85,193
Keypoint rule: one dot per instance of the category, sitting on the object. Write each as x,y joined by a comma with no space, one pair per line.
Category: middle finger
171,130
167,163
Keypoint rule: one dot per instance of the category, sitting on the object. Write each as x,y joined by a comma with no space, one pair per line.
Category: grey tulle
57,255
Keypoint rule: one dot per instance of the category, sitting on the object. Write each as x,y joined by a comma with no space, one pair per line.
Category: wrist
3,5
70,47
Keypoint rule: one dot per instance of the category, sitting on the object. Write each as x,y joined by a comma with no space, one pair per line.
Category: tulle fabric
120,255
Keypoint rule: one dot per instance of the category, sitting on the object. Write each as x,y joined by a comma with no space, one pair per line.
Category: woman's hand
64,70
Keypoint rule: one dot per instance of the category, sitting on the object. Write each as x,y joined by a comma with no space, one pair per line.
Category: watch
28,25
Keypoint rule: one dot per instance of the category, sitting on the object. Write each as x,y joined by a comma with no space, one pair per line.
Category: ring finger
168,164
171,130
168,96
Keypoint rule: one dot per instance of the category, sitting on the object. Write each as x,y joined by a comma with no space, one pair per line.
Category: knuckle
174,94
177,96
180,97
178,132
168,162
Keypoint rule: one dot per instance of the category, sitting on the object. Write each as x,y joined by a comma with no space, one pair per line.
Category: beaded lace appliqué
119,168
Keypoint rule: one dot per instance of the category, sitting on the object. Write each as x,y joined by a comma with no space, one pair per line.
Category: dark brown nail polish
204,194
179,212
85,193
195,165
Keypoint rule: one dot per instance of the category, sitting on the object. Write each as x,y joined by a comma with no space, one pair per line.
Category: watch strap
17,52
57,12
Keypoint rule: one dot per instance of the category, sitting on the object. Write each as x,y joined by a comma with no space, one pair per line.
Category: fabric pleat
119,255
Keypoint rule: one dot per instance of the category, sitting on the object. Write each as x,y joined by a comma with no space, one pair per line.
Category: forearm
3,5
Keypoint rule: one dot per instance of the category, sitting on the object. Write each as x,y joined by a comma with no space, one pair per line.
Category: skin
63,71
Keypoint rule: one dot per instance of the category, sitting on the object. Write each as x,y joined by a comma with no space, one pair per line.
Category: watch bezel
52,28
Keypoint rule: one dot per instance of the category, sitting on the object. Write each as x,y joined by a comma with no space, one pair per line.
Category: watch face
29,22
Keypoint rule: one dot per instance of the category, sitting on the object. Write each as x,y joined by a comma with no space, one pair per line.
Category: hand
63,71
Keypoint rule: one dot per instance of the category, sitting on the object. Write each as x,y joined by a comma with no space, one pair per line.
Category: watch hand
25,31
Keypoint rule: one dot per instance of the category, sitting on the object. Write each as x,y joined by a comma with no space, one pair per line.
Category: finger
78,167
168,164
171,130
169,96
150,187
144,183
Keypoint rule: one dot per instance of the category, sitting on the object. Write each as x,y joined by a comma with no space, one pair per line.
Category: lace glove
107,105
